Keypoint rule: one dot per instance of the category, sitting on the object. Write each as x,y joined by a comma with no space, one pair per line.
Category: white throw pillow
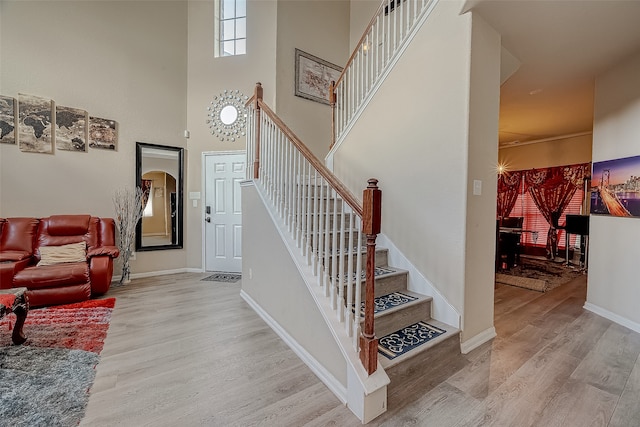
74,252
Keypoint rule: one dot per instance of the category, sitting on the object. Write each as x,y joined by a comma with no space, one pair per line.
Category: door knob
208,219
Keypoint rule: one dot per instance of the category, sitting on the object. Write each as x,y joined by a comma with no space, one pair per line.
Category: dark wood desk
508,244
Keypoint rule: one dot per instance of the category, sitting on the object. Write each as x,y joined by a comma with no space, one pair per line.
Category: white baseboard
115,279
325,376
627,323
478,340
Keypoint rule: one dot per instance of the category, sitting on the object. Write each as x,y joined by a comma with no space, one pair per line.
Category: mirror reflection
159,174
228,115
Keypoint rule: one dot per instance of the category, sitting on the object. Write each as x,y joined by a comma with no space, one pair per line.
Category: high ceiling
560,47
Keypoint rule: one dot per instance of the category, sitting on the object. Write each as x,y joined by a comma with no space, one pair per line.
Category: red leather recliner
21,239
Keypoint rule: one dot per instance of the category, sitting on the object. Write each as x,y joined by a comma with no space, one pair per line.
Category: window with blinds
534,221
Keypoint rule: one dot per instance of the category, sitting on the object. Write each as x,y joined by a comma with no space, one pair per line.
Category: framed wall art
313,77
615,187
103,133
35,131
7,120
71,129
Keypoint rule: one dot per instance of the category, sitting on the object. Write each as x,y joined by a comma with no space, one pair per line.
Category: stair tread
395,304
449,332
363,250
384,271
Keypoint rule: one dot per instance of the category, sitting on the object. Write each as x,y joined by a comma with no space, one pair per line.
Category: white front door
223,213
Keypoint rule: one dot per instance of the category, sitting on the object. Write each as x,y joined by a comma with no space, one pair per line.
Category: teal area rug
45,386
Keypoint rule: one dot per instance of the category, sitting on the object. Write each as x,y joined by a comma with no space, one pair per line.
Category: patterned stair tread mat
220,276
398,343
348,251
385,302
379,271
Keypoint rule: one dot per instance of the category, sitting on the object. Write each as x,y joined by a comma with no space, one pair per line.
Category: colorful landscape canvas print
615,187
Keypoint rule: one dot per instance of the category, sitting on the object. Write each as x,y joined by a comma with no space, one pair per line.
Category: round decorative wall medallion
227,115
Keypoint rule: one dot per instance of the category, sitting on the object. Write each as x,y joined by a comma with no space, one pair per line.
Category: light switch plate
477,187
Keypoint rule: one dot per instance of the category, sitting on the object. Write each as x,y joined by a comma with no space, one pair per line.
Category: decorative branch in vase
128,205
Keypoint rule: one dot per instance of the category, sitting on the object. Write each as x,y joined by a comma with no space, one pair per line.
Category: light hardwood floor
181,351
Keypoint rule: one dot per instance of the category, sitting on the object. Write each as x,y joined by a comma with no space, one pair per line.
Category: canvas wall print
7,120
615,187
34,124
71,129
313,77
103,133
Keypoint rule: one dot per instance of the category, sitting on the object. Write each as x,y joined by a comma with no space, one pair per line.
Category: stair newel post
332,103
257,101
371,218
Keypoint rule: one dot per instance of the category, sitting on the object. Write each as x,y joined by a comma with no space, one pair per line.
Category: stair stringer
366,394
441,309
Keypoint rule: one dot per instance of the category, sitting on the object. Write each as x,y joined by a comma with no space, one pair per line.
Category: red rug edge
92,303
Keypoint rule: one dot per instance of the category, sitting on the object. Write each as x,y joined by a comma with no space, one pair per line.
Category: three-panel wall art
38,125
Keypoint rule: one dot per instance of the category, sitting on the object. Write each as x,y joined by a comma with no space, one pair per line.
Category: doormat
398,343
223,277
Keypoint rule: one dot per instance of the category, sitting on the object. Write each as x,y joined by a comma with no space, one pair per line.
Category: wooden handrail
343,191
370,211
359,44
257,97
371,221
332,104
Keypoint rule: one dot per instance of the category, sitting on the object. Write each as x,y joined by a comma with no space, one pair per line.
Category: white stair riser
388,322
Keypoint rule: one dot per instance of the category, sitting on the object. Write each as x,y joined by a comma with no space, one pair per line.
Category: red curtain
508,188
551,190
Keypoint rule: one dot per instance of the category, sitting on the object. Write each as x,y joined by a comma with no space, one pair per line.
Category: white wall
125,61
413,138
149,65
320,28
361,13
614,243
210,76
275,284
484,106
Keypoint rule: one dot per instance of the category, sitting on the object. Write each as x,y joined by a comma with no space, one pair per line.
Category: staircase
331,236
398,315
386,332
413,352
